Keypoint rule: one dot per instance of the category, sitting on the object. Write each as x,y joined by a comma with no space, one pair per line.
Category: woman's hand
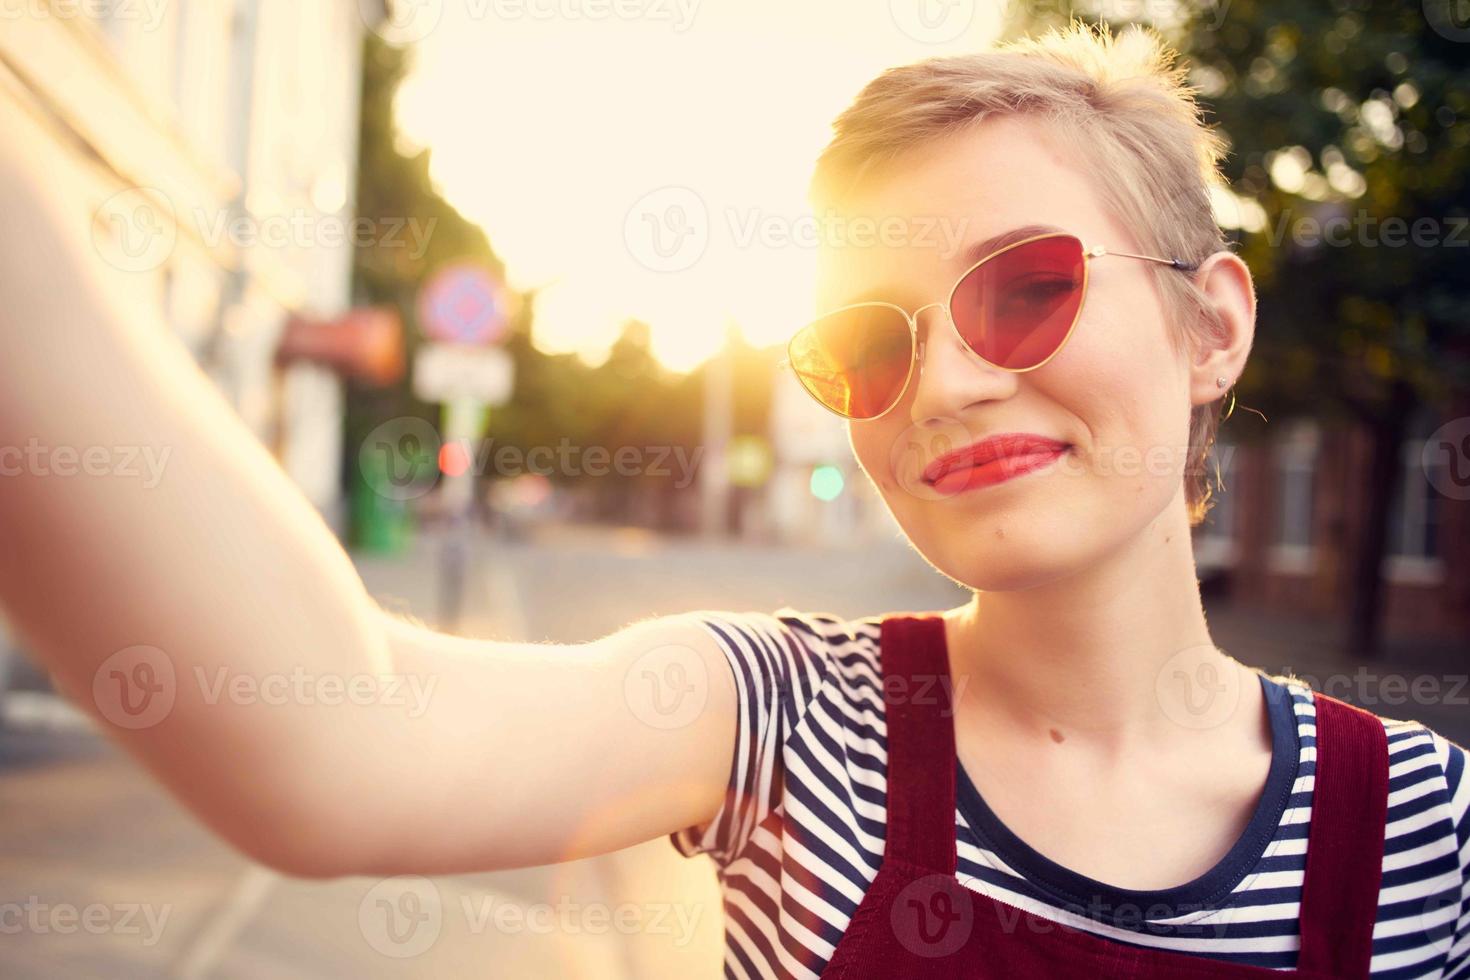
220,579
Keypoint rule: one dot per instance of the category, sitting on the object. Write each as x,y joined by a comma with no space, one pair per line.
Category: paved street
101,874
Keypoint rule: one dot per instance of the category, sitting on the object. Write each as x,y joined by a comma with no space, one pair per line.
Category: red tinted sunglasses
1014,309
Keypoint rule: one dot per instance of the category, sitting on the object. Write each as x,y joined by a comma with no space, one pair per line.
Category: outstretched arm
509,754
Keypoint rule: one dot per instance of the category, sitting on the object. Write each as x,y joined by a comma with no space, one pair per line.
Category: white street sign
459,372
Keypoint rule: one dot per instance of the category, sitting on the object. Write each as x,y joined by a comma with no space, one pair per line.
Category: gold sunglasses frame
916,346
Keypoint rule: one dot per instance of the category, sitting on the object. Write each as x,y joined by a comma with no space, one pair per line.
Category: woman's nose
949,376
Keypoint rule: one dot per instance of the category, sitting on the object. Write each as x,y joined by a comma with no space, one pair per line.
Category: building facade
212,146
1287,530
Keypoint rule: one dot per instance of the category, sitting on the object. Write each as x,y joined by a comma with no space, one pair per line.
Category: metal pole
461,425
719,419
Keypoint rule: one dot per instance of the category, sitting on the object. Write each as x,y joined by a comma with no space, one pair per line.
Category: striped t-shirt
800,836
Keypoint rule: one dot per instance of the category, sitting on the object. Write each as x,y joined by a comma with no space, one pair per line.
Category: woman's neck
1115,654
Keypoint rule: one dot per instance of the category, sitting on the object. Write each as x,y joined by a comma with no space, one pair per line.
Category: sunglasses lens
854,361
1016,309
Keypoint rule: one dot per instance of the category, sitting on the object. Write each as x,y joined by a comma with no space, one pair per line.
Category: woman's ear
1222,349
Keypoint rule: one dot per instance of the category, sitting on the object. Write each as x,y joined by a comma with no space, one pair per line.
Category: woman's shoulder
825,635
798,653
800,676
1426,846
1422,761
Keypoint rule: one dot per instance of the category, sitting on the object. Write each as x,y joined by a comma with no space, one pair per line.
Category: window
1414,514
1294,468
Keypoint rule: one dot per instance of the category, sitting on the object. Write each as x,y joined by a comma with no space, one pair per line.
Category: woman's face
1116,395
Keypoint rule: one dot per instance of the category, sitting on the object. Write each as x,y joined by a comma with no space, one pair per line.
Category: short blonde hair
1126,106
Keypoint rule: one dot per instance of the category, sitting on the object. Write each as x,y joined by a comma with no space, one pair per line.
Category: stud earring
1221,383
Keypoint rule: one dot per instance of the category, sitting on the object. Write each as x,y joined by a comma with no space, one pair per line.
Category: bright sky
652,162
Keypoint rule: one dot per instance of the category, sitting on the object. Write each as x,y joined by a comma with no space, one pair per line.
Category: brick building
1285,532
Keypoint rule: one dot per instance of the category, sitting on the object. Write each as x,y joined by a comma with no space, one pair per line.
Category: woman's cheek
887,454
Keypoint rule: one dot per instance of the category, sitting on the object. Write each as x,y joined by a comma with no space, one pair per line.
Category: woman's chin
1001,568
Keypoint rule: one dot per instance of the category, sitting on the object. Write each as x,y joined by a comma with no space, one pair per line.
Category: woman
1062,776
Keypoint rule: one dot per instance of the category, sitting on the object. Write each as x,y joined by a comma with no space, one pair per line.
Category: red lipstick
992,460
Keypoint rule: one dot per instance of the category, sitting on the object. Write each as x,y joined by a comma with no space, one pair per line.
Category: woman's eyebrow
973,253
963,260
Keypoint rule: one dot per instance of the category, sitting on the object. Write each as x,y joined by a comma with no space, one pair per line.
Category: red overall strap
1345,842
921,753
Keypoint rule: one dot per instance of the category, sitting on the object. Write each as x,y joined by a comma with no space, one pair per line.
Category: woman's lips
992,460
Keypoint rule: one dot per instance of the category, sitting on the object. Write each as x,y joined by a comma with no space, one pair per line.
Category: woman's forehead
940,208
958,254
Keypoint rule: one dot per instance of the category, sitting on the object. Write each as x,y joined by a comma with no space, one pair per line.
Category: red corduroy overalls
917,920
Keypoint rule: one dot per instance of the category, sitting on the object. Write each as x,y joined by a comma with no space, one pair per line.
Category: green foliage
1376,101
